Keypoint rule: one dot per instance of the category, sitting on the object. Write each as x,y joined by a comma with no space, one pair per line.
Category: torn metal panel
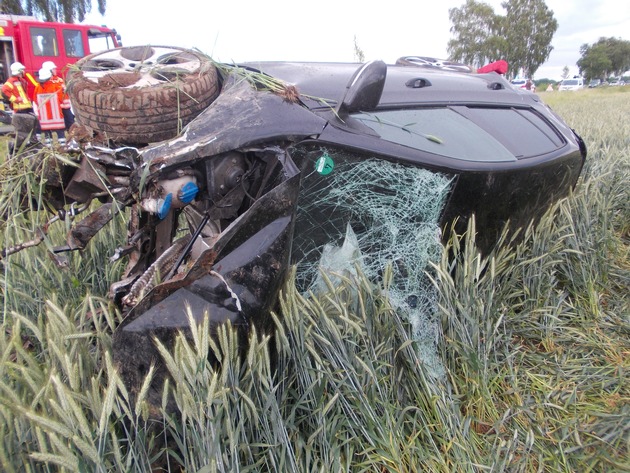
87,180
81,233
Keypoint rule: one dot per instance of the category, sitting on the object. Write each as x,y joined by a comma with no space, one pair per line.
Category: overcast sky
324,30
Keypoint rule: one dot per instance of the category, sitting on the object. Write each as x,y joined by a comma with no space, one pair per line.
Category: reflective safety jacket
64,100
14,89
49,106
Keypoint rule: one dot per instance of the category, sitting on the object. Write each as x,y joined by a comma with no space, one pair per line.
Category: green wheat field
534,342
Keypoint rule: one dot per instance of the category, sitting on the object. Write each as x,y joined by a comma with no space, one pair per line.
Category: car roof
328,80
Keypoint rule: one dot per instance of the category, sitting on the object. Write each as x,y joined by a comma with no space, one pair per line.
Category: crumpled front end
211,234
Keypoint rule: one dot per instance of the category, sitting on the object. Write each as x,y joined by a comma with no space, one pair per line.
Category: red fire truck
32,42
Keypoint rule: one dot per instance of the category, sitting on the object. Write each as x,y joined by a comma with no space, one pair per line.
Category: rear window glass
466,133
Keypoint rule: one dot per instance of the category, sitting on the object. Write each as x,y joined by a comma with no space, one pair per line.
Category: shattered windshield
359,211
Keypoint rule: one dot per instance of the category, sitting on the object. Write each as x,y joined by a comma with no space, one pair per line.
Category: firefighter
66,107
23,119
47,98
14,89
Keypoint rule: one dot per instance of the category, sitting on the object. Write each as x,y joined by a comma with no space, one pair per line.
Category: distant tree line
605,58
522,36
67,11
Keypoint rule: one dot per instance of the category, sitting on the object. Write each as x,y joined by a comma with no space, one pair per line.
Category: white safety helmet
44,74
49,65
16,67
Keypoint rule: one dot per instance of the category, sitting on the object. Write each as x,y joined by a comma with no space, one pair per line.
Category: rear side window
44,41
523,132
73,43
467,133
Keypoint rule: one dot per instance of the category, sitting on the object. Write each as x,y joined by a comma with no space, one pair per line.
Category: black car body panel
495,192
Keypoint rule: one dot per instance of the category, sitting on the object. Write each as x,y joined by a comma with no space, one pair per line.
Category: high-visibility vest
63,96
48,107
14,89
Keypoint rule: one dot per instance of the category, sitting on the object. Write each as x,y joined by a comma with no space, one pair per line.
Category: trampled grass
535,342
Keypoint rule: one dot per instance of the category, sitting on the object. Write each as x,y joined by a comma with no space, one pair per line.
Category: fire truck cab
32,42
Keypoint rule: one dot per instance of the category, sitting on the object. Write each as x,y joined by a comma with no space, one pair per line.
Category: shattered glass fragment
338,262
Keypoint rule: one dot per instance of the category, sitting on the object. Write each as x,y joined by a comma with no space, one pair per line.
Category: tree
359,55
475,28
608,56
67,11
528,28
522,37
594,63
565,72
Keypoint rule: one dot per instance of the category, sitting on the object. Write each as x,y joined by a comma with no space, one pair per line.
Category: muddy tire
142,94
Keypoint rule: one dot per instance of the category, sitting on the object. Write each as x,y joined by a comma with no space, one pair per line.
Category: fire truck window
73,43
44,42
99,43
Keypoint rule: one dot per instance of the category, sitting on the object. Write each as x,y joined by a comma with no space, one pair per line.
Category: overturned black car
279,163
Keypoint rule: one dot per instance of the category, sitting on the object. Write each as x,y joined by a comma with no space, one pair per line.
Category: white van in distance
576,83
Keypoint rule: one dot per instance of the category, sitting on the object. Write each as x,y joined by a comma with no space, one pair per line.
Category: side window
44,41
488,134
73,43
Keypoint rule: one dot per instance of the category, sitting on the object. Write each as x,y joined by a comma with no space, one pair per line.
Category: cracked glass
362,212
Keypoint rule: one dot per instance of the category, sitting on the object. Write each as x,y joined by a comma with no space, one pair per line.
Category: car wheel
141,94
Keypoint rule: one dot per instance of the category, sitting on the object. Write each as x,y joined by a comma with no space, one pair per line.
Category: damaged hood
240,117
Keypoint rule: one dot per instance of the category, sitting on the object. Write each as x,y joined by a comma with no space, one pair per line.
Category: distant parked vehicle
594,83
576,83
518,83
